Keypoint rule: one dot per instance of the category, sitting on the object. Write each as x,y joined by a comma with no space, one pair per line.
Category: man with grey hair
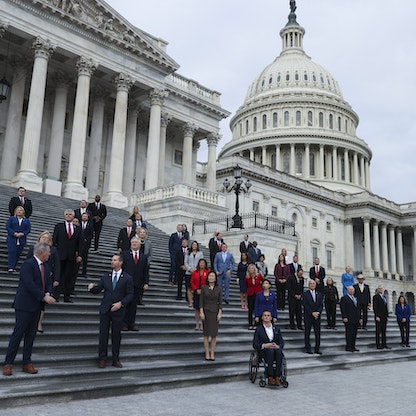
34,287
67,240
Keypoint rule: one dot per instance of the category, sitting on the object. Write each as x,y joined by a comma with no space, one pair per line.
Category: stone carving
3,28
292,6
108,25
157,96
128,37
99,20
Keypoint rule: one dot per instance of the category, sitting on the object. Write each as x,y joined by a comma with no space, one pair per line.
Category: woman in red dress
253,283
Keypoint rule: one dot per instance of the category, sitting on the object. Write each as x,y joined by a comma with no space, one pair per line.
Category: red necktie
42,274
317,271
136,259
69,231
128,232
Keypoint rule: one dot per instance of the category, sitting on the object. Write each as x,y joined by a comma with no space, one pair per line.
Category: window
177,157
342,169
278,77
331,121
314,253
274,119
314,78
298,118
329,259
286,162
286,117
311,164
296,76
274,211
270,79
255,124
298,158
262,83
310,119
339,123
246,126
264,122
305,76
328,226
314,222
288,77
256,206
241,129
321,119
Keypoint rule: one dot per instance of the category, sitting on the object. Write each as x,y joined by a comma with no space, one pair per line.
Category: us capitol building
91,104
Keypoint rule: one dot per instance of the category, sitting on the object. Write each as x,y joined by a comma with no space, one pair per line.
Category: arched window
278,77
274,119
305,76
331,121
288,77
321,119
296,76
264,123
286,115
310,119
298,118
339,123
247,126
270,79
255,124
311,164
342,169
298,162
314,78
286,162
241,129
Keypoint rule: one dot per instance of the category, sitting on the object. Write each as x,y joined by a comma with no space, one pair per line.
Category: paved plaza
370,390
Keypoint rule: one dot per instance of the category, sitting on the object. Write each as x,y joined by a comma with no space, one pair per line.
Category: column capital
196,145
3,28
376,221
348,221
158,96
189,129
165,119
366,219
213,139
43,48
85,66
123,82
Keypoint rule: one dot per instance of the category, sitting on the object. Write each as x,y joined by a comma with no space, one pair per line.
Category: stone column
384,250
114,196
153,143
362,169
346,166
321,174
399,242
212,140
335,163
392,246
164,122
96,139
27,175
74,187
278,164
367,174
292,167
355,166
189,130
414,251
14,121
349,241
53,182
367,244
195,147
252,154
307,173
130,152
376,246
264,156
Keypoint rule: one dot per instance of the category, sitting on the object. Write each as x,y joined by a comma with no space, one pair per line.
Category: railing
250,220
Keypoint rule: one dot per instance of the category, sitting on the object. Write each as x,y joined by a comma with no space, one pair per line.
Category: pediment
97,16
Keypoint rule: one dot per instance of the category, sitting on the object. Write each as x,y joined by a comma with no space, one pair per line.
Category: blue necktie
114,280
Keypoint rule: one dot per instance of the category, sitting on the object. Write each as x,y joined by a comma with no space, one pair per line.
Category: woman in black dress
211,313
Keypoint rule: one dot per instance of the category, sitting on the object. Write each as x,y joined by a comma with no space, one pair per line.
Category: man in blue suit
224,264
34,287
118,293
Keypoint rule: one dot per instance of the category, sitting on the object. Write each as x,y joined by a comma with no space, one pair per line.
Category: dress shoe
117,364
309,352
300,327
271,381
318,352
379,347
28,368
226,301
101,363
135,328
277,381
386,347
292,327
356,349
7,370
68,300
125,328
349,349
408,345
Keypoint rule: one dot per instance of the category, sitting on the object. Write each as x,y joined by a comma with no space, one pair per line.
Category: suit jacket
54,264
243,248
123,291
364,296
180,259
262,304
98,214
213,248
79,215
253,255
139,272
260,337
310,306
30,290
68,248
175,243
294,287
146,248
321,276
379,307
222,266
401,313
123,240
292,268
15,202
349,310
12,226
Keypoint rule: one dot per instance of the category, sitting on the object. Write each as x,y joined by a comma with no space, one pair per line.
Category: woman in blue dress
347,279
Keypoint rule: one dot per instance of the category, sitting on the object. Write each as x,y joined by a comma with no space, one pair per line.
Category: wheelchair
257,361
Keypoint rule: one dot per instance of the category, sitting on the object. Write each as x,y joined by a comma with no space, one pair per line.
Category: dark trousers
381,327
316,324
84,255
273,359
281,295
404,331
115,319
350,335
131,309
172,267
69,270
97,231
295,311
251,300
331,311
364,314
180,275
26,325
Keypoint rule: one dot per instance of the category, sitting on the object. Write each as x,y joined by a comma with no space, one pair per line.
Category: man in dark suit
295,289
67,239
87,232
245,244
175,243
312,301
214,246
98,212
294,266
254,253
124,236
362,293
350,312
180,267
34,287
381,316
135,264
20,200
317,273
118,293
82,208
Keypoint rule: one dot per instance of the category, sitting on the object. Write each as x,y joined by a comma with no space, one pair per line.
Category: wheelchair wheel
283,378
262,382
284,384
253,366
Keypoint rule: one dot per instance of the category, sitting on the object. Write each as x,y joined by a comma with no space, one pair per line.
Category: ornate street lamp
4,84
238,187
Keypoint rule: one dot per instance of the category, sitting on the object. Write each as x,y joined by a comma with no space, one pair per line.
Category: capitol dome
294,119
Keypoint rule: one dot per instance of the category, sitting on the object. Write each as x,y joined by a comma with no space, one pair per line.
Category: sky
367,45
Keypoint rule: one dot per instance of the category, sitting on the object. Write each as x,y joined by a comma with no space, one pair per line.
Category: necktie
42,274
84,225
136,259
22,201
114,280
316,271
313,296
128,232
69,231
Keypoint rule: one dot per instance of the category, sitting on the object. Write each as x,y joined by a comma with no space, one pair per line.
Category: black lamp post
238,187
4,84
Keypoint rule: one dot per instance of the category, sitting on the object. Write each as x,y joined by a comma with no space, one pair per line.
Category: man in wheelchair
268,341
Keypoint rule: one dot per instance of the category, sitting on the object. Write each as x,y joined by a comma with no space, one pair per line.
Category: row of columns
123,145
